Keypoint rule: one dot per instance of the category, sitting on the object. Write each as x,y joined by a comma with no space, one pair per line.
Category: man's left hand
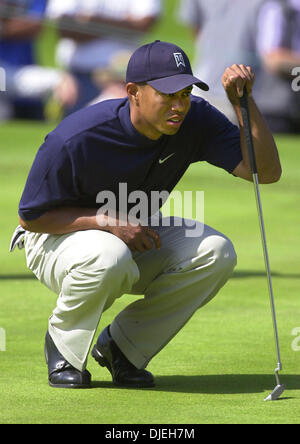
235,79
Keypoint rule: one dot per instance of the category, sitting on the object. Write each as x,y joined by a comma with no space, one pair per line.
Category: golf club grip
248,132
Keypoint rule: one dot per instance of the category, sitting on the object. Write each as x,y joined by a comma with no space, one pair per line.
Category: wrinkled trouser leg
90,269
176,280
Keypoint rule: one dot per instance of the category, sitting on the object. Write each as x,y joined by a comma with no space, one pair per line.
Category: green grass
219,368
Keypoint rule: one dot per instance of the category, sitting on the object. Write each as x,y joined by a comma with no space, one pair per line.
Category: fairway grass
220,366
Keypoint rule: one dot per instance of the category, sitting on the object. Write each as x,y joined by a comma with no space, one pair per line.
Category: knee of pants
121,271
214,252
110,272
221,252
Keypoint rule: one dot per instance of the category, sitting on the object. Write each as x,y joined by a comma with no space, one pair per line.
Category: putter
279,389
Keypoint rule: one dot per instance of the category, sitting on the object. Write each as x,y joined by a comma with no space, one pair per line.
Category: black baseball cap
163,66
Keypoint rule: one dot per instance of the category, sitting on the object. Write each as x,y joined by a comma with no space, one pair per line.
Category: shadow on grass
216,384
239,274
17,277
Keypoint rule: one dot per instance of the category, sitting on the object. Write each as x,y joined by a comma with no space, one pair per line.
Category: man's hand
235,79
68,220
137,238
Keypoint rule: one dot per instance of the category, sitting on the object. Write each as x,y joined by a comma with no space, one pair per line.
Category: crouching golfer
89,258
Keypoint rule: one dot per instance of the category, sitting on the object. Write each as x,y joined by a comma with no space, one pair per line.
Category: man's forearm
237,79
69,220
21,28
281,61
266,153
64,220
86,28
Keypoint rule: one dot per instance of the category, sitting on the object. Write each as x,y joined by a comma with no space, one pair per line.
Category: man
28,85
279,50
90,257
20,26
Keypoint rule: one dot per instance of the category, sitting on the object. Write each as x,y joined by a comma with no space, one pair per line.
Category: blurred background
59,56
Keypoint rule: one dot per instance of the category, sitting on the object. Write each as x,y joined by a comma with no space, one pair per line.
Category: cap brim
173,84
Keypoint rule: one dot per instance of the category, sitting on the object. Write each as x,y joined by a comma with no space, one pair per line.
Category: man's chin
171,131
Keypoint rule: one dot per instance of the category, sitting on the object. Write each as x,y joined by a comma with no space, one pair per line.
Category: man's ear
133,92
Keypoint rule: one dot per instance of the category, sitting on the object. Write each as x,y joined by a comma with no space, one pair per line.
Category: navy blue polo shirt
97,148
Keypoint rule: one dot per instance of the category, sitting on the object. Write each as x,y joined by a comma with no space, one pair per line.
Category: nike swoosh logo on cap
161,161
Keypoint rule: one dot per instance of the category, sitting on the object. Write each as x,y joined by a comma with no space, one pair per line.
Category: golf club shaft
267,265
251,154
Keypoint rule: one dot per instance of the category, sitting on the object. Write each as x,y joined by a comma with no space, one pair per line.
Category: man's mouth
175,121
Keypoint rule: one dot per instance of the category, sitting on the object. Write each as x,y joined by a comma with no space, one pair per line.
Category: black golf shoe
124,374
61,374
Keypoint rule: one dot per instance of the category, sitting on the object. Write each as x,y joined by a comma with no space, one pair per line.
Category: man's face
156,113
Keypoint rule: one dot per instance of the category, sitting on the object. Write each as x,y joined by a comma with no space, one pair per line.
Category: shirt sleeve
51,181
270,27
220,142
37,8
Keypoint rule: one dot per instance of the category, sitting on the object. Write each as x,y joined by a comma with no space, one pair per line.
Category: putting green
220,367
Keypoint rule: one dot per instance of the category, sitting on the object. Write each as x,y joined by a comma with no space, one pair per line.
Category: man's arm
85,28
274,23
21,28
281,61
63,221
235,79
69,220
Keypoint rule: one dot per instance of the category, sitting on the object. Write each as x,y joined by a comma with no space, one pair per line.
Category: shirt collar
124,116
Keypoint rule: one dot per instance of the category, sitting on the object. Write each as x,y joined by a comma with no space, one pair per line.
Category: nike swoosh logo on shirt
161,161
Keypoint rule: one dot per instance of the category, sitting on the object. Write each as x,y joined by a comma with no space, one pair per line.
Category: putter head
278,390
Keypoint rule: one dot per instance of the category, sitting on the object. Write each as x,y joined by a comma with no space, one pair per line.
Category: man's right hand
137,238
68,220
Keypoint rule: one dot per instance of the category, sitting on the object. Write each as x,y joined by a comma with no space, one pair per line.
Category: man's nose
178,105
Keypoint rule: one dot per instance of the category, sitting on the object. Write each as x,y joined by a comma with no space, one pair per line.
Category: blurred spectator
32,84
112,80
27,84
225,33
279,48
262,33
20,24
94,33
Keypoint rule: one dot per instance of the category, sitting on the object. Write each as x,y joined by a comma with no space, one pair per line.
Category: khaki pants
90,269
